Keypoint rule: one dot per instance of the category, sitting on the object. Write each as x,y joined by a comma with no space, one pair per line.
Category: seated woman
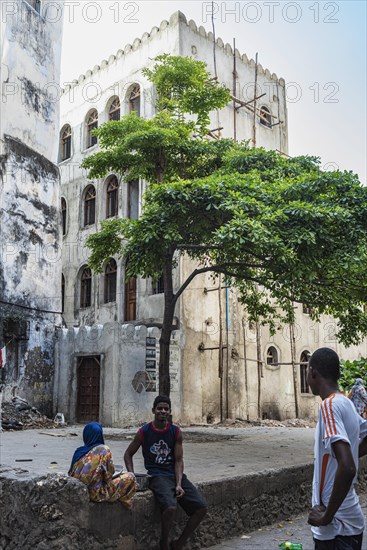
93,465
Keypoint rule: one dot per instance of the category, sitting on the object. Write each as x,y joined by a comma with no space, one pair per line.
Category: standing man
161,444
336,516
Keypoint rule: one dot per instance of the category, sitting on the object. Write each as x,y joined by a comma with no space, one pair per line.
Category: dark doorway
87,409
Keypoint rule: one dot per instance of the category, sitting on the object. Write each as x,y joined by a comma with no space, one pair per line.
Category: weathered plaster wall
123,396
30,270
31,52
204,322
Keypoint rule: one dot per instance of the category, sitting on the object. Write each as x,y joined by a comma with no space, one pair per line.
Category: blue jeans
353,542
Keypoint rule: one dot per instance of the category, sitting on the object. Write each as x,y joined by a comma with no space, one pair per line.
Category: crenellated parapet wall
176,18
122,360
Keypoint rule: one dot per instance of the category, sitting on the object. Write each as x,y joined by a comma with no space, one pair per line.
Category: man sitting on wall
161,444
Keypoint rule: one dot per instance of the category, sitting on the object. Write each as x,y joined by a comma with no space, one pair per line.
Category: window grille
92,122
86,288
110,280
90,206
265,117
134,100
272,356
112,198
66,143
305,388
114,111
158,286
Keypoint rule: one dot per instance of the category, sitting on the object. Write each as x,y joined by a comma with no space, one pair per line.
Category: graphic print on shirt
162,451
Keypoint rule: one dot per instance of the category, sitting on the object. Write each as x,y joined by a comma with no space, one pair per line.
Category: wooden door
130,300
88,389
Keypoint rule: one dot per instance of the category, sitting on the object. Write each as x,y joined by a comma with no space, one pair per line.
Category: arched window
112,197
63,215
86,288
65,142
89,206
110,278
62,293
305,388
272,356
134,100
265,117
92,122
114,110
133,200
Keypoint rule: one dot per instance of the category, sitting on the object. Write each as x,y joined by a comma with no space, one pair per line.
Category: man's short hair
326,362
161,399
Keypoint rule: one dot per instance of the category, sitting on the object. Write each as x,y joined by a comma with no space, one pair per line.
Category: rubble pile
270,423
289,423
18,414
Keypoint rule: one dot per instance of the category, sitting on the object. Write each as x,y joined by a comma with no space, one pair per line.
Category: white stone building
107,359
30,267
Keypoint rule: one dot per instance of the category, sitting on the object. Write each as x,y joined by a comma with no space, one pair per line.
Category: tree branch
217,269
199,247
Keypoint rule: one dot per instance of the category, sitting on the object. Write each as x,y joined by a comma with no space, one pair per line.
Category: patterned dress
358,396
96,469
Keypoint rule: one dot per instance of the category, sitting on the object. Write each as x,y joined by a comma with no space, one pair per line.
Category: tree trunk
165,339
294,369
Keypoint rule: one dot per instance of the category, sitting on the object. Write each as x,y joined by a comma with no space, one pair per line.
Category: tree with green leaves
279,229
350,370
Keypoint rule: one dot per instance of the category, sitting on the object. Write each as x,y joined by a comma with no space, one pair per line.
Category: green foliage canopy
168,145
184,86
350,370
279,229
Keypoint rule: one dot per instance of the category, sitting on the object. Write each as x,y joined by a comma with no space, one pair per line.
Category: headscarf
92,436
358,381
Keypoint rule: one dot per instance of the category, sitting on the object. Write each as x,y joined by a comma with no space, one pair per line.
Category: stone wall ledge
54,512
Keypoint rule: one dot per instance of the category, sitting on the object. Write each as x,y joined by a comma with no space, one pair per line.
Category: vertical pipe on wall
220,364
245,365
254,120
259,369
227,349
234,92
294,368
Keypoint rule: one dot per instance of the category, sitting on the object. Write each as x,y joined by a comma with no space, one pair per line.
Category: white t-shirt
338,421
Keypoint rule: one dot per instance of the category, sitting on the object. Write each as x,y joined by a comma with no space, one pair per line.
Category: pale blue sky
323,51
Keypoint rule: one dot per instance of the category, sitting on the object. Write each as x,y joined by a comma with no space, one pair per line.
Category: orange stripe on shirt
334,430
329,413
325,418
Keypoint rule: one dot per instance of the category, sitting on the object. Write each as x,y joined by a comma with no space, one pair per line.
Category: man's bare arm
344,476
179,466
130,451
